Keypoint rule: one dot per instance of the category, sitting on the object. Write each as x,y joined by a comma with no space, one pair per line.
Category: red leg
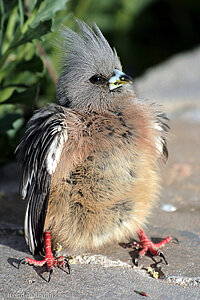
49,260
146,245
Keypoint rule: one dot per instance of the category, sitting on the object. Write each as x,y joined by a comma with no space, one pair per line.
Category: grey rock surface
109,273
175,84
85,281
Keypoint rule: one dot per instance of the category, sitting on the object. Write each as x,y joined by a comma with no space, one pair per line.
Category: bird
90,162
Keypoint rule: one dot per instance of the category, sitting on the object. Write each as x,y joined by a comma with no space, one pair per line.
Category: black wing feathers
162,120
45,133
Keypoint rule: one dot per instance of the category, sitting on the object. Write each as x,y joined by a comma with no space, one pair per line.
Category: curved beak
118,79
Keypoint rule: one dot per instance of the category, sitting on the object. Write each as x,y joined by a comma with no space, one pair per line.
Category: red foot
49,260
146,245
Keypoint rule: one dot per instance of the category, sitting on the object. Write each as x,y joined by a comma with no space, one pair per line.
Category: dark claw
22,261
174,239
50,274
162,255
68,265
137,260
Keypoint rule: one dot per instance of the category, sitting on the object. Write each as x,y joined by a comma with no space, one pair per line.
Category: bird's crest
86,48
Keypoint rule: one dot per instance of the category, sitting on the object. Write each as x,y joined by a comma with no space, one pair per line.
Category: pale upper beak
118,80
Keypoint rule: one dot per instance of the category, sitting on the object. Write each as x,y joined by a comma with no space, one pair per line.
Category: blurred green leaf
26,97
35,65
21,13
32,4
2,20
17,124
5,93
6,122
24,63
24,72
10,28
47,10
33,33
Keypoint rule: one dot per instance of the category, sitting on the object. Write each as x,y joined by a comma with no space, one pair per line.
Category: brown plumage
90,163
106,182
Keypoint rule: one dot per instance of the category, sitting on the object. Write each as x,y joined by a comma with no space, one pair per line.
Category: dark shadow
156,265
134,255
13,238
39,270
14,262
158,240
136,247
156,268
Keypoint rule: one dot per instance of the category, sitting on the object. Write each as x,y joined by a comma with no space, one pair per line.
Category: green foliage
24,26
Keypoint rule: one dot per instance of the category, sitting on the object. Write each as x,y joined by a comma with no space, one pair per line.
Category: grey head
92,76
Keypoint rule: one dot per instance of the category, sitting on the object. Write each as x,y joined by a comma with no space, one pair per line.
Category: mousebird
90,163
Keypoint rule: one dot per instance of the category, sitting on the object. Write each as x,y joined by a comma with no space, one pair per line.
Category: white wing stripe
26,223
55,150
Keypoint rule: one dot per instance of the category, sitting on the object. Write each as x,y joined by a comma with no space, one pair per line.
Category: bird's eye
97,79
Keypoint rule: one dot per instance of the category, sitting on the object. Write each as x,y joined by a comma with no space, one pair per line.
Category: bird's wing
40,151
160,124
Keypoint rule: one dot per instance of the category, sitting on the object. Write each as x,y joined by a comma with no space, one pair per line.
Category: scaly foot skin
146,245
49,260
